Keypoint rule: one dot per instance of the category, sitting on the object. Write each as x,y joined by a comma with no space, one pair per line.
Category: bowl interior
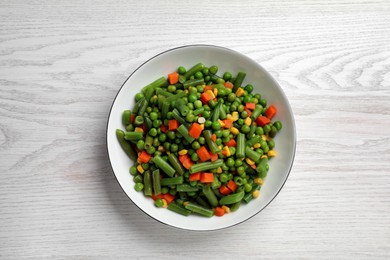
226,60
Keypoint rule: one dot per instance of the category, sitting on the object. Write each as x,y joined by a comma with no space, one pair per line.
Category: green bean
235,206
160,101
165,109
139,120
176,97
171,181
143,107
186,188
199,209
254,140
184,132
182,107
240,152
147,183
215,113
201,201
209,194
261,168
160,91
253,155
149,89
175,207
163,165
138,105
148,141
176,163
126,117
233,198
256,112
177,116
204,166
216,183
239,79
133,136
222,112
127,148
156,182
252,131
193,70
193,82
148,123
212,145
199,111
249,196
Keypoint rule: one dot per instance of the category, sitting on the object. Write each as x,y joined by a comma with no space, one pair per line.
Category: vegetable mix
201,142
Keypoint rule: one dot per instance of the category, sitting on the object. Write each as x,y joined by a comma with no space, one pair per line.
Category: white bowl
226,60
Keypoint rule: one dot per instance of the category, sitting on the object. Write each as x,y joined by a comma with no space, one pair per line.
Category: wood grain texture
62,63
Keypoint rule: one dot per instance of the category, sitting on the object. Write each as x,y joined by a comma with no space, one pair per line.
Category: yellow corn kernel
256,194
165,204
229,116
168,152
202,126
210,93
256,145
219,170
258,181
234,131
235,116
185,203
215,92
183,152
226,151
271,153
186,91
160,148
226,209
221,122
248,121
139,129
140,169
263,156
249,161
265,138
240,92
138,160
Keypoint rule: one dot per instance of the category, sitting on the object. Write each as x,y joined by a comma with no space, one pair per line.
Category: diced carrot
143,126
224,190
186,161
254,166
207,88
195,130
195,176
228,84
214,137
262,120
169,197
206,96
203,154
213,156
232,185
163,128
231,143
159,196
173,77
228,123
219,211
144,157
132,117
250,106
173,124
270,112
206,177
249,112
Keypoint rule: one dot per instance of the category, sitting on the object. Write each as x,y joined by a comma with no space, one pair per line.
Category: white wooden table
62,63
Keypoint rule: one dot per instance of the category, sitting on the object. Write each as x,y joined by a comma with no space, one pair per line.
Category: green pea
202,140
194,157
244,114
145,166
278,125
133,170
240,121
271,144
200,88
164,190
162,137
205,71
263,102
247,187
151,150
195,145
181,70
218,133
266,129
254,100
240,170
153,115
206,107
231,97
240,108
216,125
245,129
153,132
227,76
221,92
190,107
208,124
157,124
138,96
169,115
237,162
230,162
225,133
171,88
223,177
219,81
148,110
212,103
171,134
197,103
218,141
198,75
192,98
167,146
139,186
174,148
213,69
259,130
190,118
273,131
206,114
249,88
140,144
233,108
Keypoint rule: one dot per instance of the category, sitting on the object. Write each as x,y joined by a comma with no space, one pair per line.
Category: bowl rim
268,75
